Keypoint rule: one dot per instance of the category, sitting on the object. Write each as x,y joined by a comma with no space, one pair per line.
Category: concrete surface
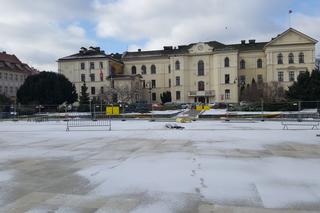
44,169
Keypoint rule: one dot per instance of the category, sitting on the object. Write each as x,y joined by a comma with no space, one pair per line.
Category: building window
226,62
133,70
153,84
154,96
259,63
200,86
83,66
101,65
0,89
177,65
242,79
83,77
0,75
21,77
169,68
143,84
153,69
5,90
178,81
200,68
16,77
227,79
291,58
93,90
102,90
280,76
91,65
6,76
11,90
242,64
143,70
280,58
260,79
291,76
11,77
301,58
169,82
92,77
178,95
227,94
301,72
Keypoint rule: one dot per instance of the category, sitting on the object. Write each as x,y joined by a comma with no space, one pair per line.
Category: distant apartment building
12,74
207,71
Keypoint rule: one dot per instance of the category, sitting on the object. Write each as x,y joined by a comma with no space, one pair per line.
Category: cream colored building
211,71
99,71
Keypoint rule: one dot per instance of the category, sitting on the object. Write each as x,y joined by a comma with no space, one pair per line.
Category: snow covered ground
141,166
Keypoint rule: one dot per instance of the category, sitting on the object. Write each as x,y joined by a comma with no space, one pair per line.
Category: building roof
92,53
244,46
253,46
167,51
12,63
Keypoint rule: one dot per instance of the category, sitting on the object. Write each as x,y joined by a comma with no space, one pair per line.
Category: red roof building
12,74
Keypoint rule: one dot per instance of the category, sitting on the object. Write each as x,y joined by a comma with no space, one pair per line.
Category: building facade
214,72
100,72
12,74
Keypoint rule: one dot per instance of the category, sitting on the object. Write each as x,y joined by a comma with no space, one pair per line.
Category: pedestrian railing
94,122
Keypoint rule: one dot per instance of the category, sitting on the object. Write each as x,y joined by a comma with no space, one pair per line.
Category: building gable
291,36
200,48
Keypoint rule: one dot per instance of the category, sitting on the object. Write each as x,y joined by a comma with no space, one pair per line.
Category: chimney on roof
139,50
83,49
243,41
252,41
167,48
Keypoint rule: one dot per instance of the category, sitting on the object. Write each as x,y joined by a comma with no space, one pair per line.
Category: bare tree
273,92
124,94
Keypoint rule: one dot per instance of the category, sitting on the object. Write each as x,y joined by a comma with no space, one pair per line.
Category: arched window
143,70
153,69
200,68
301,58
201,86
133,70
242,64
259,63
291,58
226,62
280,58
177,65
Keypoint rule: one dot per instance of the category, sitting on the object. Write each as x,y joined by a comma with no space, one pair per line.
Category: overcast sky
41,31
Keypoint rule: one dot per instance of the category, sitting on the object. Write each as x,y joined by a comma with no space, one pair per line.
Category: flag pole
290,12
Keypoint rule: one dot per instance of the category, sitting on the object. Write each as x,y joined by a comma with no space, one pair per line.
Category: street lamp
149,86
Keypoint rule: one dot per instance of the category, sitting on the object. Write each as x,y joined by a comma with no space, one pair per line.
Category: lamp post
90,107
262,116
149,86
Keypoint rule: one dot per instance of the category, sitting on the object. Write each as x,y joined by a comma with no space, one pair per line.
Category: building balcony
207,93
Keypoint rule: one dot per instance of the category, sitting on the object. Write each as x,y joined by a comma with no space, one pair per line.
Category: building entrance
202,100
